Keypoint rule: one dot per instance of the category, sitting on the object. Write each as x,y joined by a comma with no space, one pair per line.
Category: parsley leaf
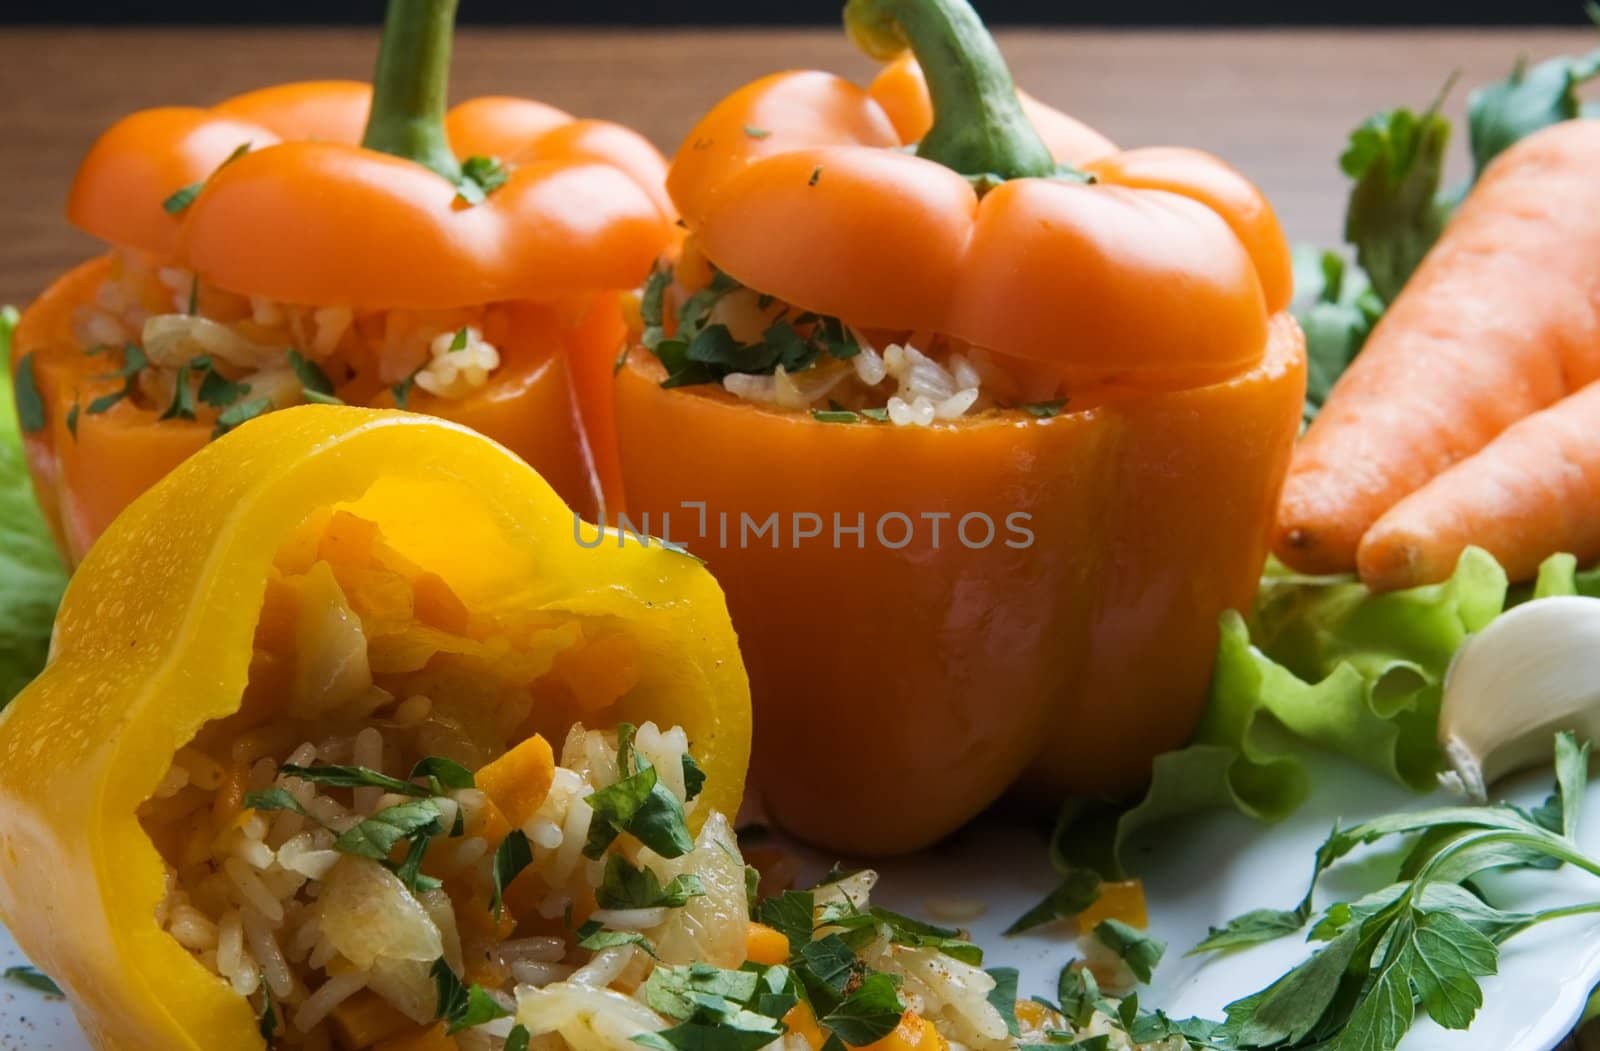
626,887
642,807
182,405
1396,211
236,414
32,978
1501,114
352,777
30,403
1003,997
513,855
133,362
594,936
461,1006
1337,309
870,1013
694,778
790,914
314,382
442,774
1045,410
183,197
1138,950
270,799
1078,889
1254,927
402,391
517,1039
377,836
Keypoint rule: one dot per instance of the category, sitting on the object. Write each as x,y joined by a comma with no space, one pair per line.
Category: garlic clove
1533,672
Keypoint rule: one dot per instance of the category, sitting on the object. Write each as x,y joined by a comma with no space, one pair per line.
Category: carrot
1501,320
1531,492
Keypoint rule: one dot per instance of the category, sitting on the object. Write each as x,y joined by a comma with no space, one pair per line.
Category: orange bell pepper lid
346,196
1150,267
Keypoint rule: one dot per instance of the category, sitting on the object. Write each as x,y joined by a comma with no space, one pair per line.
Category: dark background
815,12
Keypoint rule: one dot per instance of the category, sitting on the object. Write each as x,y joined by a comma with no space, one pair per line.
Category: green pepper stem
978,124
412,83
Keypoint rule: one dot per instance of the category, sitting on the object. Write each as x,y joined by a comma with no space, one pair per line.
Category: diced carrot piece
1118,901
438,605
914,1033
519,781
764,945
365,1018
432,1039
229,800
801,1020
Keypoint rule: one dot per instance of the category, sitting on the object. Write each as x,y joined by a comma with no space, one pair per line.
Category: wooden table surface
1276,103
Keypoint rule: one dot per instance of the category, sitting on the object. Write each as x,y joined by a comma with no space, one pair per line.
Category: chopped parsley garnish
757,133
517,1039
480,176
694,778
194,296
271,799
703,351
639,805
33,978
314,382
626,887
513,855
1079,888
378,835
184,197
72,419
182,406
133,362
1137,949
30,403
461,1006
239,413
595,936
1003,997
267,1025
816,176
216,390
716,1009
458,342
1044,410
402,390
353,777
443,774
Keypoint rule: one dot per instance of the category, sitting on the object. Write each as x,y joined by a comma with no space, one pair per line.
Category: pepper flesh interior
365,659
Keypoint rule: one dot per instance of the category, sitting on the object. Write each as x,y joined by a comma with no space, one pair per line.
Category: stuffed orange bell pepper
270,251
981,438
344,736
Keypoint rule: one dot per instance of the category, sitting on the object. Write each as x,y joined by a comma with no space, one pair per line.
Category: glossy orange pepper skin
309,217
900,690
909,244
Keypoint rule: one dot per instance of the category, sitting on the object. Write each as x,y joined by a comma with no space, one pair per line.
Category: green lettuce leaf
1324,663
31,574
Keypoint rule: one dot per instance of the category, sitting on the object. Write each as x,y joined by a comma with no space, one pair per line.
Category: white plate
1208,870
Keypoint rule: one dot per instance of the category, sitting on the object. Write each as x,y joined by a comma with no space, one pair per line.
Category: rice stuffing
181,348
380,850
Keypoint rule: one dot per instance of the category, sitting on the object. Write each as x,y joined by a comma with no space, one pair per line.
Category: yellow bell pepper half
154,641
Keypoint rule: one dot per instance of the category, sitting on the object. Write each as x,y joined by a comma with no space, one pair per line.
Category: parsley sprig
702,351
1427,939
